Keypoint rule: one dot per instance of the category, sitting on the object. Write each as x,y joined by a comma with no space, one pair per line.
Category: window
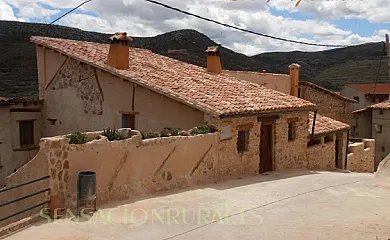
243,141
292,129
299,92
356,99
314,141
378,128
383,149
128,121
329,138
381,112
26,133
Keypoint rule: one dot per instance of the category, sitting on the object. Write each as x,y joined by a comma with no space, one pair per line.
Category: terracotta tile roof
334,94
382,105
380,88
215,94
7,101
325,125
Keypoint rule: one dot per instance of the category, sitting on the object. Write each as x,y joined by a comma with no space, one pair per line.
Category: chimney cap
213,49
296,65
122,36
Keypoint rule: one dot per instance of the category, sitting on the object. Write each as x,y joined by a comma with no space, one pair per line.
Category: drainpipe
314,123
346,152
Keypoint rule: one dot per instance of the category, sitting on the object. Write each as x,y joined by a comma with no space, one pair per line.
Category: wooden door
266,148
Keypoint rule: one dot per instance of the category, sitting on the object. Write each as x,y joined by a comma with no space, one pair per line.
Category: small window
378,128
383,149
356,99
328,138
299,92
128,121
292,129
381,112
243,141
26,133
314,141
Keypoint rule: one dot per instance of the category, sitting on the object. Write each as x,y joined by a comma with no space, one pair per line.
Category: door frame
272,123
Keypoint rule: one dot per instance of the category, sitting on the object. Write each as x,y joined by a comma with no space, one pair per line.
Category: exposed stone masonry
74,74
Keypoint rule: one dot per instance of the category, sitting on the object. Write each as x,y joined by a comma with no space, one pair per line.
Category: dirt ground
288,205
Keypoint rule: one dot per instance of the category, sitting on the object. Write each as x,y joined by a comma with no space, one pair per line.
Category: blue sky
322,21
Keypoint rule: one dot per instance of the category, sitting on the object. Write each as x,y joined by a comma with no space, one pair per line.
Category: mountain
332,68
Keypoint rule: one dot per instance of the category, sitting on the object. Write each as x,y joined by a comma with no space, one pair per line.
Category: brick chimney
214,59
118,55
294,79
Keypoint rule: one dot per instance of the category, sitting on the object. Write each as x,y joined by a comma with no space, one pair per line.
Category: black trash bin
86,188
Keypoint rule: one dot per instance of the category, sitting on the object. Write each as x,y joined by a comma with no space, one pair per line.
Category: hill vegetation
331,69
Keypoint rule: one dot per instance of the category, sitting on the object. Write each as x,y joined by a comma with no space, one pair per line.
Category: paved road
289,205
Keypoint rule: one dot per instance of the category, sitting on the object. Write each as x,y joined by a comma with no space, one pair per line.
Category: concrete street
288,205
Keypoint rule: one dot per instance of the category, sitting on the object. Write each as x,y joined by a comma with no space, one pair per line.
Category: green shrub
113,134
175,131
165,133
200,130
144,135
77,138
153,134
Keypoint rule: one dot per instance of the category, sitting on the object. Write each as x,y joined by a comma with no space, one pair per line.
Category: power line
210,20
63,15
242,29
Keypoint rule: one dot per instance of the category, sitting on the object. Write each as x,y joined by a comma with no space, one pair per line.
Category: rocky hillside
333,68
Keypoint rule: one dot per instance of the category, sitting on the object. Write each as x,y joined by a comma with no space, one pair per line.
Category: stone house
20,131
374,122
329,103
93,86
366,94
90,86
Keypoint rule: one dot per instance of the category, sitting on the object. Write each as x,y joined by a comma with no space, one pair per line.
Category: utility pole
388,54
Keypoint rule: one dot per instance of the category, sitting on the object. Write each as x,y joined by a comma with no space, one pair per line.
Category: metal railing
23,197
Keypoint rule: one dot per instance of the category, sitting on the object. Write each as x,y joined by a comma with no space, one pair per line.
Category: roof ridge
327,91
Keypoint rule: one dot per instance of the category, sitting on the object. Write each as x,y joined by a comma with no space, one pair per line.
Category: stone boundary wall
133,167
321,156
361,156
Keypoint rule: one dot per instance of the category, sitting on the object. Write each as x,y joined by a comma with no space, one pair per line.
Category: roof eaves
309,108
327,91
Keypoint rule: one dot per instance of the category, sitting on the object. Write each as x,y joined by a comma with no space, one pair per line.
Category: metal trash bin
86,188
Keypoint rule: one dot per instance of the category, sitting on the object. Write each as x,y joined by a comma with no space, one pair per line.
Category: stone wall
231,163
132,167
327,104
290,154
322,155
361,156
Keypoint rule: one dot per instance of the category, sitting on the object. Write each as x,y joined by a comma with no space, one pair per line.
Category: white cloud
140,18
32,9
373,10
6,12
